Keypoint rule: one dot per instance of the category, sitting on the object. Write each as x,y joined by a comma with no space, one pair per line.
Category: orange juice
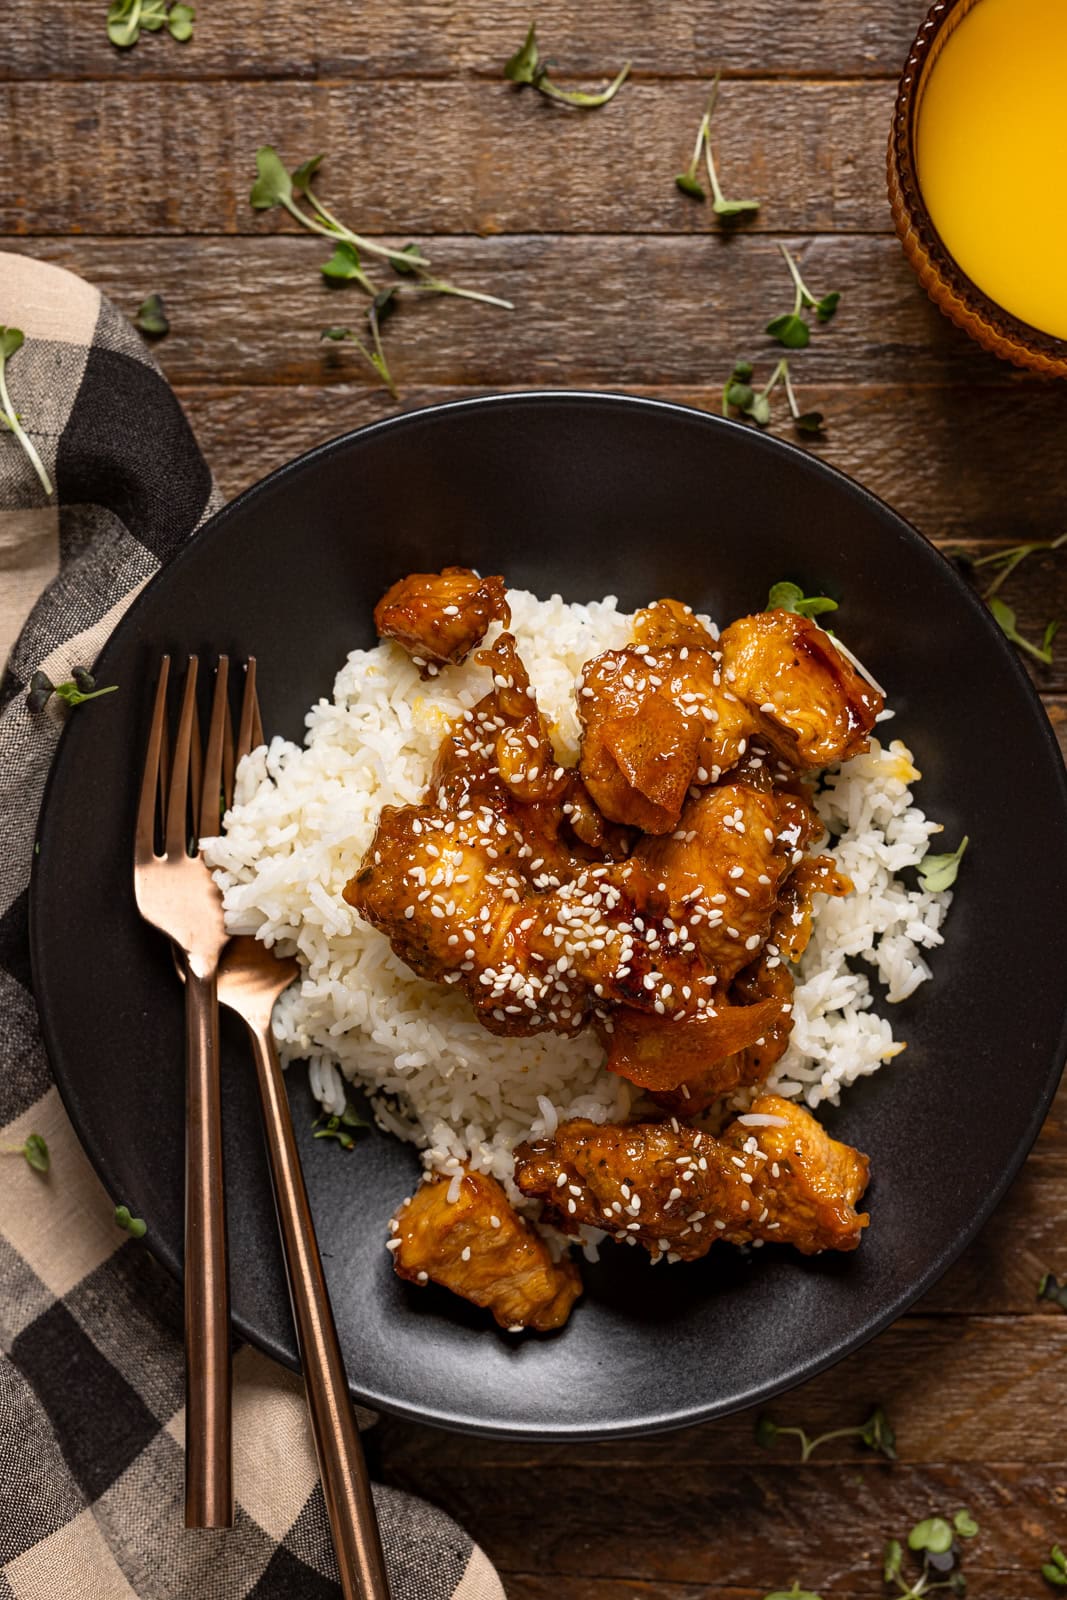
992,154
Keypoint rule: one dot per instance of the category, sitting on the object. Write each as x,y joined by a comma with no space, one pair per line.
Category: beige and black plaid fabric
91,1406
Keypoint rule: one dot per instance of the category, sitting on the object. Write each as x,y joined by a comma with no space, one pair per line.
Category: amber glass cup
941,276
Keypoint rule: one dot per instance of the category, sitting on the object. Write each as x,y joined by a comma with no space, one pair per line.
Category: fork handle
208,1421
342,1467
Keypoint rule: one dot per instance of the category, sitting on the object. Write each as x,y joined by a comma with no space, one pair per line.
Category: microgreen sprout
33,1150
939,872
1004,616
935,1541
875,1433
1007,560
275,186
756,404
1050,1288
1055,1568
136,1227
791,329
340,1127
690,184
11,341
787,596
126,18
81,686
151,317
526,68
795,1593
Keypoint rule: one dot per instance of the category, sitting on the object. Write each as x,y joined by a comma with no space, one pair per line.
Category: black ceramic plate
586,495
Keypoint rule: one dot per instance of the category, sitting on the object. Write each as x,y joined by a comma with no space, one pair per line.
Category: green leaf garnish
937,873
1050,1288
151,318
1008,560
276,186
341,1127
126,18
791,330
1004,616
787,596
33,1150
964,1524
875,1433
136,1227
11,341
1055,1568
302,175
757,404
273,186
81,686
934,1534
690,184
892,1557
526,69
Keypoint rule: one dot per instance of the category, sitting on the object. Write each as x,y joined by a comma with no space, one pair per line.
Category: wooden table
134,170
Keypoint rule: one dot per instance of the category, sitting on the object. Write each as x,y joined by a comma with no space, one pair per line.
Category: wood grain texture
134,170
120,157
440,38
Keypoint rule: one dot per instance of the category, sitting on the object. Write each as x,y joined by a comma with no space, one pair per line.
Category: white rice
305,816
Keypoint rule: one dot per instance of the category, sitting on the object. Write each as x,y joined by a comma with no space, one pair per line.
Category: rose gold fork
175,893
251,978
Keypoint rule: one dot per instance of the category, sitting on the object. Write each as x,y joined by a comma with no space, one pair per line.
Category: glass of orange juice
978,172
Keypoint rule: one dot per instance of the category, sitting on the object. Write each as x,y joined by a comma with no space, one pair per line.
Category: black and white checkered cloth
91,1405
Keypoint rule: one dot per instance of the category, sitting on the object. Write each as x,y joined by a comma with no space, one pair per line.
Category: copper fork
176,894
251,979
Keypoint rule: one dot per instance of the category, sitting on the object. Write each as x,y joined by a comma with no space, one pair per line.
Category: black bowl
588,495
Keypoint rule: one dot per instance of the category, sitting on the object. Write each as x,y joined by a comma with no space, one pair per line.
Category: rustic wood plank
434,38
587,311
455,157
681,1513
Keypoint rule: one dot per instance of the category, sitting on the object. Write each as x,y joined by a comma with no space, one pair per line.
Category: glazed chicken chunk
439,617
807,700
479,1247
772,1176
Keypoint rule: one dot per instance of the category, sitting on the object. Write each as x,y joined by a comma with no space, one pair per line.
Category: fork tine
196,765
228,762
144,845
210,816
177,831
247,738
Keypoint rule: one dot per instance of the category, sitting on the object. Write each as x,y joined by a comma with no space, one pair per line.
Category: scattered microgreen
791,329
33,1150
292,191
1004,616
1055,1568
690,184
341,1127
1050,1288
875,1432
756,404
787,596
11,341
126,18
940,872
151,317
934,1542
81,686
526,69
136,1227
1007,560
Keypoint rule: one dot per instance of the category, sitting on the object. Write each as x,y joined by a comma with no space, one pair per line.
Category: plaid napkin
91,1369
